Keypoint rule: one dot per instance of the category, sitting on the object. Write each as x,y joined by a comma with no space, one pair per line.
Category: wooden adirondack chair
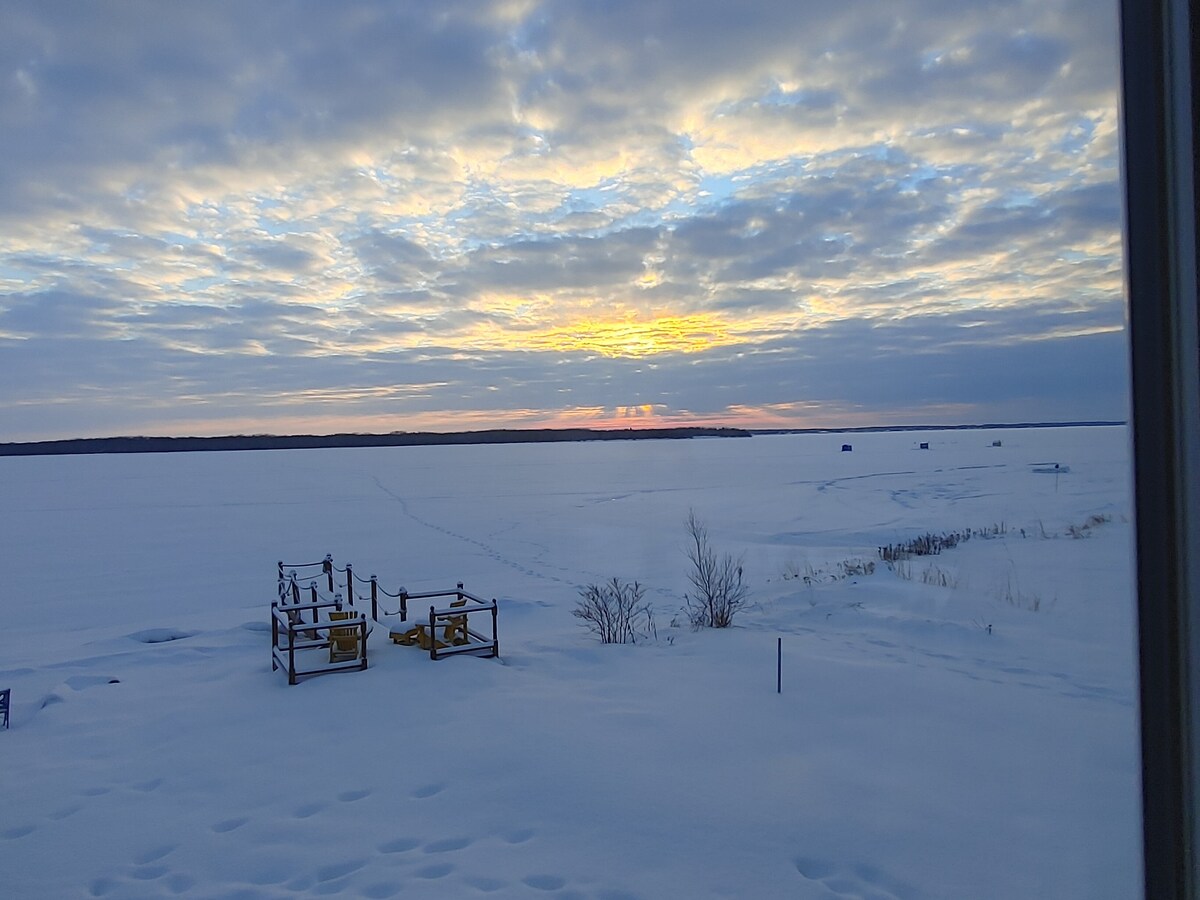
343,642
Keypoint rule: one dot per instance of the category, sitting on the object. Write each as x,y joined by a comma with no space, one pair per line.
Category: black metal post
349,584
374,598
779,665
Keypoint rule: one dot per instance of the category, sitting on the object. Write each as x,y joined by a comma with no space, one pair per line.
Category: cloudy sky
288,216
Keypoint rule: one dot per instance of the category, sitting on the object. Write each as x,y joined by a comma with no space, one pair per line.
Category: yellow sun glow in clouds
635,338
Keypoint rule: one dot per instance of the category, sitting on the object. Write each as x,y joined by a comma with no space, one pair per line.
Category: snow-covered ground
963,726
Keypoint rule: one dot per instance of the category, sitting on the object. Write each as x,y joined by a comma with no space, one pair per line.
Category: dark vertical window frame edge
1158,116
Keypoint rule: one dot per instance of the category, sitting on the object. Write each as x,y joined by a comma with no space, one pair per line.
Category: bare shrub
718,589
615,612
939,577
1085,530
854,567
1020,599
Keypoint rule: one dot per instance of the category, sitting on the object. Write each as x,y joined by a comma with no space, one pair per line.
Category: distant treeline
315,441
872,429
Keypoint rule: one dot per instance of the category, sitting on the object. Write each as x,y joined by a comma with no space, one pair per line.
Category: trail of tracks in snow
488,550
548,570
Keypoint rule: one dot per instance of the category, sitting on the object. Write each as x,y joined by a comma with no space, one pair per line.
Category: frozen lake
961,725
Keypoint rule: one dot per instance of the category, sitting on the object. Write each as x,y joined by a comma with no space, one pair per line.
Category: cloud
535,210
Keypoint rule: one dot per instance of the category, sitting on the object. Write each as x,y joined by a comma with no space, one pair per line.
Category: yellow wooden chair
456,626
343,642
455,632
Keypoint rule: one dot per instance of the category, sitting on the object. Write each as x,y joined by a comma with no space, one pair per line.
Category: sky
281,217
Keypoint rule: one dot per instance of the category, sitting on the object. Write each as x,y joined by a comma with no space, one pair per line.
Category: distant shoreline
79,446
873,429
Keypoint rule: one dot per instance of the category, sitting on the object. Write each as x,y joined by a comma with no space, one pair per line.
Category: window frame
1159,121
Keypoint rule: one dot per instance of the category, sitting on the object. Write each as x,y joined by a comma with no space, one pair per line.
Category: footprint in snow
179,883
149,873
154,854
398,845
858,880
487,885
340,869
544,882
428,790
382,890
445,846
439,870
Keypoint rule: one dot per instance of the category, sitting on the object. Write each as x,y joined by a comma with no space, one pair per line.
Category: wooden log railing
296,623
289,634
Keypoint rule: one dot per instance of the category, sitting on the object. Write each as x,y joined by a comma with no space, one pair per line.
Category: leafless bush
718,590
1090,524
939,577
615,612
854,567
1019,599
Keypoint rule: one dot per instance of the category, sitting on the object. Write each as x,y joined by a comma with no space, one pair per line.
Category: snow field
913,753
